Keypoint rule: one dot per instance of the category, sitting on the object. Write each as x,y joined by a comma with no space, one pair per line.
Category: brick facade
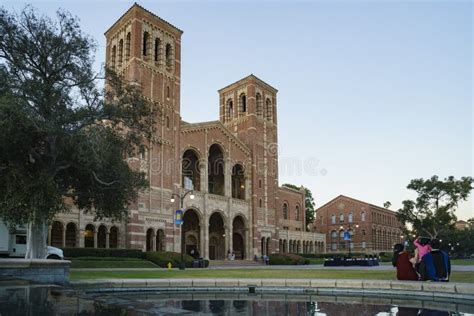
231,163
373,228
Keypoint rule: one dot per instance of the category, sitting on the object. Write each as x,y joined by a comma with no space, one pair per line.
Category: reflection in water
31,300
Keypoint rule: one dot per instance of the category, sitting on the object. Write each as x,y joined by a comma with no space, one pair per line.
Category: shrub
101,252
162,258
287,259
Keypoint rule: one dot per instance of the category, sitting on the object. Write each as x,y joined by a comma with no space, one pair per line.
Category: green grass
121,263
463,262
255,273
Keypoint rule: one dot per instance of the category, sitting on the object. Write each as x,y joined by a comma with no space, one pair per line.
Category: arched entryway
238,237
160,240
216,237
102,237
71,235
190,170
216,170
57,234
89,236
113,237
150,235
190,232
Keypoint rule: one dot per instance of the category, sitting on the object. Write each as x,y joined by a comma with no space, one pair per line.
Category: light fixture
172,200
242,186
357,226
191,196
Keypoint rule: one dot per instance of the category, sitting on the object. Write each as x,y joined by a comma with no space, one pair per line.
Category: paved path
304,267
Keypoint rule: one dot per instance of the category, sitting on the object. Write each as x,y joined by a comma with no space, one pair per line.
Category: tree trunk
37,233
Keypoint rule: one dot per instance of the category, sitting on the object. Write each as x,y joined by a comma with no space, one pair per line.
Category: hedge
102,252
287,259
162,258
335,255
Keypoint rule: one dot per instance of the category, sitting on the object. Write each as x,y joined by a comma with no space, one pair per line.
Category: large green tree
309,203
63,137
433,211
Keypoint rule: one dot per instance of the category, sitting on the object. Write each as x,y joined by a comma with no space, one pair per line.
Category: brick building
372,228
231,163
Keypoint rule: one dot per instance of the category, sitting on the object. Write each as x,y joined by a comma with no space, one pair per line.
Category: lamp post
348,230
181,199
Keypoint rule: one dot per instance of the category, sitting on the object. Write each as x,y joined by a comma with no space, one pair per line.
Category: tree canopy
63,136
309,203
433,211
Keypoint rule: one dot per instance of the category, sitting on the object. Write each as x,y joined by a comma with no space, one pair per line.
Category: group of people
428,262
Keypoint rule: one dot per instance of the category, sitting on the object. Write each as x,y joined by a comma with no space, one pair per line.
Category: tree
309,203
387,204
63,139
432,212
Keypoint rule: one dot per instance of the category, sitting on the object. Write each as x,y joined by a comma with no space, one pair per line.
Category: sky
371,94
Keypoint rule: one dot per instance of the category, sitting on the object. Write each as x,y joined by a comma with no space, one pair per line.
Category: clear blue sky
371,94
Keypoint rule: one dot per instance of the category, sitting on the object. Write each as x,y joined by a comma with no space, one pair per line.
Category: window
242,103
157,49
145,43
341,217
285,211
364,245
268,110
333,219
167,122
260,202
341,233
258,100
362,216
297,211
20,239
229,110
169,57
350,217
334,246
167,92
322,220
363,232
120,53
260,184
333,234
114,53
127,47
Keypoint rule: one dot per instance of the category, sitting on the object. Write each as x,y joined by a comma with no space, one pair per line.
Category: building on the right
352,225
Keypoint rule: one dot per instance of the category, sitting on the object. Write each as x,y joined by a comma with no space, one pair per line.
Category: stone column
107,239
227,237
49,235
203,175
202,245
63,244
206,239
228,178
95,238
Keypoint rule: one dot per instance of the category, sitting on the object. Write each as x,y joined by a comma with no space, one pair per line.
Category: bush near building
162,258
287,259
101,252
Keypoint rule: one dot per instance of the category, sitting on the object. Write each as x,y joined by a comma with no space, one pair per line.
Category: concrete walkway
304,267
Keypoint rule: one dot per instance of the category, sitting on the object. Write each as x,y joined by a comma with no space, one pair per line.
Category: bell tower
145,50
248,109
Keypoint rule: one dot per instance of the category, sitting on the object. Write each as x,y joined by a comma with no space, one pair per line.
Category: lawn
254,273
121,263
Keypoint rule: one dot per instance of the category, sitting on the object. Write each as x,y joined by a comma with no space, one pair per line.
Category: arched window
169,57
120,53
89,236
157,49
333,219
127,46
167,122
242,103
362,216
191,172
285,211
341,217
349,218
216,170
238,182
260,203
113,237
114,54
146,38
268,109
297,212
229,110
258,100
168,92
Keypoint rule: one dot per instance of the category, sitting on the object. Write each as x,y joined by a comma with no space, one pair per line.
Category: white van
13,243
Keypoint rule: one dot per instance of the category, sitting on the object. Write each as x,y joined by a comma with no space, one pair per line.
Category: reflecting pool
37,300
